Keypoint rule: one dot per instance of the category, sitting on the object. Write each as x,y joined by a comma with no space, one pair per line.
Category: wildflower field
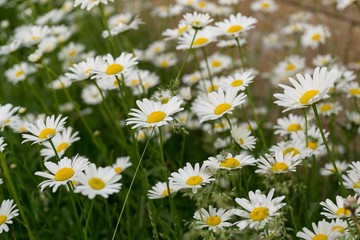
179,119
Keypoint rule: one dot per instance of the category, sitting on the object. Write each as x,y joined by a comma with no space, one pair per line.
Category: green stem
103,18
54,148
208,67
88,218
186,57
306,126
131,184
240,53
37,95
73,204
15,196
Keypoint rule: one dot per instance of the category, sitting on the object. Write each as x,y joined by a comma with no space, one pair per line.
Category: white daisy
153,113
266,6
229,162
243,137
352,181
235,25
289,125
121,164
2,144
203,37
278,163
43,131
323,230
160,190
328,168
338,210
307,90
214,219
19,72
97,181
62,172
91,95
196,20
329,108
89,4
191,177
314,36
239,81
295,147
82,70
7,115
7,212
259,210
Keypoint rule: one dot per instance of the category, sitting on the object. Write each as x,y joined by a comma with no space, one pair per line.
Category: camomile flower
7,115
140,81
121,164
97,181
10,47
314,140
259,210
338,210
196,20
153,113
191,79
307,90
170,34
328,168
214,219
43,131
71,52
109,68
355,167
89,4
352,90
7,212
62,172
341,227
165,60
242,136
287,68
217,63
160,190
322,60
203,37
289,125
295,147
208,86
323,230
60,83
278,163
329,108
82,70
120,23
19,72
235,25
91,95
239,81
217,104
229,162
30,35
62,141
191,177
314,36
230,43
266,6
2,144
352,181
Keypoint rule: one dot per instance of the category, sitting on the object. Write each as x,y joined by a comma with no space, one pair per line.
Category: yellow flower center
216,63
338,229
3,219
114,69
202,4
325,107
47,133
156,116
320,237
183,29
343,212
62,147
96,183
194,180
213,88
316,37
241,141
290,67
118,170
235,29
213,221
19,73
135,82
292,150
200,41
259,214
165,193
72,53
294,127
221,108
35,38
280,167
164,64
354,91
307,96
64,174
237,83
87,71
356,184
230,163
312,145
265,5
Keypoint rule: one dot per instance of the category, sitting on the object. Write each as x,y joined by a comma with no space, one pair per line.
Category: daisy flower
329,108
44,131
341,227
328,168
278,163
61,141
352,181
121,164
314,142
307,90
239,81
203,37
295,147
259,210
191,79
160,190
235,25
165,60
196,20
170,34
287,68
191,177
2,144
352,90
7,212
289,125
19,72
7,115
322,60
217,62
323,230
31,35
97,181
229,162
89,4
338,210
266,6
243,138
82,70
217,104
91,95
62,172
60,83
314,36
153,113
109,68
214,219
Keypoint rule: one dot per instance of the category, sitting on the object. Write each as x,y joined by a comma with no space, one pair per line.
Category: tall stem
186,57
103,18
208,68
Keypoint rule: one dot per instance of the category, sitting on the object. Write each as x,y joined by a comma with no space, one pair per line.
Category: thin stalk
15,196
103,18
88,218
208,67
291,213
241,55
306,126
331,156
228,120
131,184
54,148
186,57
37,95
73,204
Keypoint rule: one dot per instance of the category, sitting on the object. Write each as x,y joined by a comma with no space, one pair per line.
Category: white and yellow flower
121,164
278,163
242,136
160,190
7,212
214,219
235,25
338,210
